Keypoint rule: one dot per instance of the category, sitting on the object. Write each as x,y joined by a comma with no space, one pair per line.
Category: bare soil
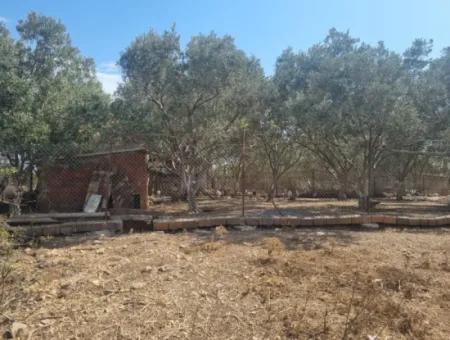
415,206
234,284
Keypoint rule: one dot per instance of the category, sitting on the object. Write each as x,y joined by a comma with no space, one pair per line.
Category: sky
102,29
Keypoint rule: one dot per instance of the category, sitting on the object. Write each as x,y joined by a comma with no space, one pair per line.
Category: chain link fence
136,177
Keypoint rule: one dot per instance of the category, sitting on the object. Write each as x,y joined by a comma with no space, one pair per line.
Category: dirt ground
233,284
414,206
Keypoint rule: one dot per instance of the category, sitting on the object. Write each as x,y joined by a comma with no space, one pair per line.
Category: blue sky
102,29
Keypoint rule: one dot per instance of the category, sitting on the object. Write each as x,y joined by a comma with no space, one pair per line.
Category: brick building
121,177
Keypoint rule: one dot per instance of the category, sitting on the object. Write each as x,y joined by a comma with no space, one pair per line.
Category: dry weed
177,286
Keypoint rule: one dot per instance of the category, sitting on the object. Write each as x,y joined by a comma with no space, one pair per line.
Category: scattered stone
245,228
42,264
147,269
19,330
320,233
202,231
163,269
221,231
30,252
96,282
108,291
7,335
100,251
371,225
65,285
61,294
97,242
378,282
138,285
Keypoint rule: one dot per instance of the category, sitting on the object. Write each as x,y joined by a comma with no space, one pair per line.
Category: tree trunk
343,187
369,179
192,201
401,190
273,191
191,187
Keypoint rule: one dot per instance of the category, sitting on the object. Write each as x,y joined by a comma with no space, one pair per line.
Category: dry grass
291,284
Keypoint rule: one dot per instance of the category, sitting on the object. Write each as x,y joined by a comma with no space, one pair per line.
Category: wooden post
243,172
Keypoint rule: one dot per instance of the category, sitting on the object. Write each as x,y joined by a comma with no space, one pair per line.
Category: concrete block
366,219
33,231
161,225
357,220
277,221
415,221
446,220
67,230
389,220
323,221
266,221
83,228
190,223
369,226
440,221
317,221
291,221
402,221
218,221
331,221
252,221
427,222
204,222
233,221
306,221
176,224
50,230
344,220
377,219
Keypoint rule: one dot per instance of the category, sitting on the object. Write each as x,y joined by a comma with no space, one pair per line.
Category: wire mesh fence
233,175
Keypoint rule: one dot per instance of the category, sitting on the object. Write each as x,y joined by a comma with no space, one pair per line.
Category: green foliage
53,100
188,98
349,105
7,171
353,102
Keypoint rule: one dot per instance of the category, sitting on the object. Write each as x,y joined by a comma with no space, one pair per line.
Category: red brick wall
65,185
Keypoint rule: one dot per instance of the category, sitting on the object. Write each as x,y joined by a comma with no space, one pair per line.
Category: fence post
243,172
313,182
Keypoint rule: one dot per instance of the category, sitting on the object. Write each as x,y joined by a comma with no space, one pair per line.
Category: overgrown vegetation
6,269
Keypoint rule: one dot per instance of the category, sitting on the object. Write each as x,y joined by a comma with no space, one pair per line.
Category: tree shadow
292,238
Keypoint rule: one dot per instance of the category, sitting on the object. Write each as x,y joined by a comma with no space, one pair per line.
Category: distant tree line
344,106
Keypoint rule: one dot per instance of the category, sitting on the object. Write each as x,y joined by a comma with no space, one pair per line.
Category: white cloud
108,73
3,19
108,67
109,81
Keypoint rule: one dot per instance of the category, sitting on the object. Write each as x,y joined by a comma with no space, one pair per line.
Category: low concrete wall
146,222
295,221
67,228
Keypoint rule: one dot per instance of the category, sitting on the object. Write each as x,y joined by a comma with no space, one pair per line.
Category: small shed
120,177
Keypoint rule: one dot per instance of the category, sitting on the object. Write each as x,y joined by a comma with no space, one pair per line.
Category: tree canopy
347,107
